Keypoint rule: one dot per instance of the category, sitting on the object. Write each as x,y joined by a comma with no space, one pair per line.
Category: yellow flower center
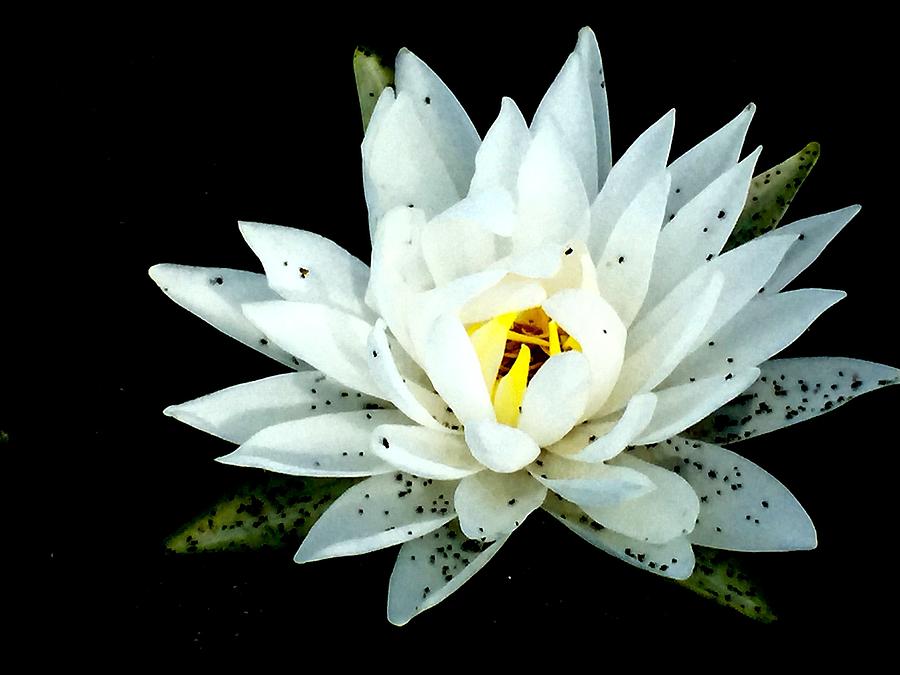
511,348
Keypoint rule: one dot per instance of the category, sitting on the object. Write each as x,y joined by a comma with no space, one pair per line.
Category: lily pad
276,512
372,76
770,194
718,575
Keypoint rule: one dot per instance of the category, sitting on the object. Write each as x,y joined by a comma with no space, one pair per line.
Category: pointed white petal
455,247
431,568
552,204
701,228
590,484
238,412
768,324
500,155
447,124
666,513
576,270
642,162
715,155
491,505
674,559
216,295
679,407
742,507
373,196
568,105
792,391
307,267
594,324
624,268
330,340
388,379
592,67
326,445
424,452
377,513
499,447
605,438
555,398
814,234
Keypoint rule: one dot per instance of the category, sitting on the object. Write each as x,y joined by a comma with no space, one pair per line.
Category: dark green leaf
770,194
372,76
4,437
718,575
274,512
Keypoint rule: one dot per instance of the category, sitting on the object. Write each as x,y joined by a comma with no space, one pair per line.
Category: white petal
659,516
388,379
449,127
594,324
590,484
679,407
715,155
325,445
455,372
555,398
701,228
650,364
494,209
499,447
814,234
307,267
576,270
541,262
200,291
510,294
768,324
491,505
424,452
373,197
431,568
500,155
377,513
642,162
455,247
402,165
552,204
568,105
790,391
674,559
593,70
238,412
624,268
328,339
603,439
742,507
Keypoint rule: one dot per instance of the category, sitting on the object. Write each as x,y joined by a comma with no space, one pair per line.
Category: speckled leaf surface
719,576
770,194
274,512
372,76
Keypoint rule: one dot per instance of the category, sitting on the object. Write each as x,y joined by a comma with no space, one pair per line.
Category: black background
152,135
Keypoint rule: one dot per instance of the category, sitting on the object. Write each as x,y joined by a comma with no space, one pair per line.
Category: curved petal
500,155
592,68
373,197
328,339
306,267
379,512
510,294
236,413
215,295
666,513
431,568
499,447
456,246
742,507
325,445
674,559
491,505
590,484
424,452
555,398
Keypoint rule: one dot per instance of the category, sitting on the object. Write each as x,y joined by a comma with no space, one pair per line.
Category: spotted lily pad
273,513
770,194
718,575
372,76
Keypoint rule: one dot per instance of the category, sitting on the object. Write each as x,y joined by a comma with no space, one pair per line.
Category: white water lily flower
535,330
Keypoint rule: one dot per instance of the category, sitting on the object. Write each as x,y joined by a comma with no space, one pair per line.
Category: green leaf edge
372,77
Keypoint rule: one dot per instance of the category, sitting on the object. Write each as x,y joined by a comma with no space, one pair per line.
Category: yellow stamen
554,338
519,337
511,389
489,341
